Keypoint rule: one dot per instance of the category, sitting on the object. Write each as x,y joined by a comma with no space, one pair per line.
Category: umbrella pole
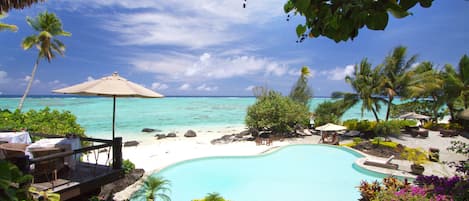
113,116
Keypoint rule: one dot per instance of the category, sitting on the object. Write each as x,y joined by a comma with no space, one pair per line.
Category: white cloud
159,86
249,88
190,68
339,73
89,78
1,93
4,77
193,24
185,87
27,78
55,82
204,87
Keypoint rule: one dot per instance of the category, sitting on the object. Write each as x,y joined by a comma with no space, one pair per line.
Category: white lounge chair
382,163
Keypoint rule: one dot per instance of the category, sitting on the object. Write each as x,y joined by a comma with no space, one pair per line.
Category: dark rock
171,135
160,136
131,143
150,130
254,132
244,133
190,133
108,190
250,139
239,135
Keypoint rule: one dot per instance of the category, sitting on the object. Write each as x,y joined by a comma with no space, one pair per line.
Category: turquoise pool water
296,173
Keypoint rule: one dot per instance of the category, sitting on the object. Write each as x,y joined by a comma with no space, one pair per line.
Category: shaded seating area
48,167
416,131
382,163
448,133
330,138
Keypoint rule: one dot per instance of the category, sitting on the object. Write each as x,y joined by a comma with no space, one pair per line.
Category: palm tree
456,86
365,82
6,5
153,188
426,82
394,74
48,26
4,26
301,92
213,197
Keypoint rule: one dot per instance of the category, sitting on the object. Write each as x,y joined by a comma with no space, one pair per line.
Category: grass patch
386,144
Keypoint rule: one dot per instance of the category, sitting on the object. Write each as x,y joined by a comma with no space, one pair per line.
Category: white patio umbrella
413,115
331,127
110,86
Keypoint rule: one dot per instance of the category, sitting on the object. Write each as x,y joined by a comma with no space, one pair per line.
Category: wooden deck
84,179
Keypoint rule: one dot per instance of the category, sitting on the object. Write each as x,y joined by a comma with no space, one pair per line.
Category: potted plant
418,157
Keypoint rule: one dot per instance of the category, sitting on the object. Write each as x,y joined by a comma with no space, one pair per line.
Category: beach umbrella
413,115
110,86
464,114
331,127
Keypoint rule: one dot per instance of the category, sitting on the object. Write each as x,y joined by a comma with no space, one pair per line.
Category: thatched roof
6,5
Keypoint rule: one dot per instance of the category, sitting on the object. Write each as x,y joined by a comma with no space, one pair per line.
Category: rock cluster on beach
242,136
150,130
190,133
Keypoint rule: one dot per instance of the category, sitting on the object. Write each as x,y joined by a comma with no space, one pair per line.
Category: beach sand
153,155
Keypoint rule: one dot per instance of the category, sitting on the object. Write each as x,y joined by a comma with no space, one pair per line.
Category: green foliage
357,140
44,195
43,121
330,111
212,197
277,113
387,128
341,20
13,184
4,26
301,92
417,156
128,166
154,188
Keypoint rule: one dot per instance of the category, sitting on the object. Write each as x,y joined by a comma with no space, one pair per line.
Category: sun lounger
352,133
380,163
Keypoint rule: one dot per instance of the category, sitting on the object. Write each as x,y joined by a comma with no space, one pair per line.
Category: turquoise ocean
167,114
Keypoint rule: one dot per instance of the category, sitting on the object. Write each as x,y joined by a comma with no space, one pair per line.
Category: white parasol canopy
331,127
413,115
110,86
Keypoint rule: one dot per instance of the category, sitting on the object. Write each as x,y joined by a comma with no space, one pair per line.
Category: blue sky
211,48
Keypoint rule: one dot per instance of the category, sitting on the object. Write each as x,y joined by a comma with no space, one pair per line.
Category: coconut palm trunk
30,83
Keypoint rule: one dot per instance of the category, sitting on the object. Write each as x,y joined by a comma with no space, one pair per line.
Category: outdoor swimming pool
297,172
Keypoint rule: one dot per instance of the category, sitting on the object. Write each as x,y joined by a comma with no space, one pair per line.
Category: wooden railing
115,144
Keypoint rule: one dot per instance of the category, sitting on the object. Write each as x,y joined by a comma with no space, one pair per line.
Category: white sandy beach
153,155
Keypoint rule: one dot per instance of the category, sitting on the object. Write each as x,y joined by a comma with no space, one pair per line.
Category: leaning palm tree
6,5
426,82
365,82
154,188
394,74
4,26
48,26
301,92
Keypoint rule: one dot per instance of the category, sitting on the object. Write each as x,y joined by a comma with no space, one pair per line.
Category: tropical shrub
128,166
430,188
154,188
328,112
362,126
386,128
462,166
42,121
417,156
276,113
9,175
212,197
